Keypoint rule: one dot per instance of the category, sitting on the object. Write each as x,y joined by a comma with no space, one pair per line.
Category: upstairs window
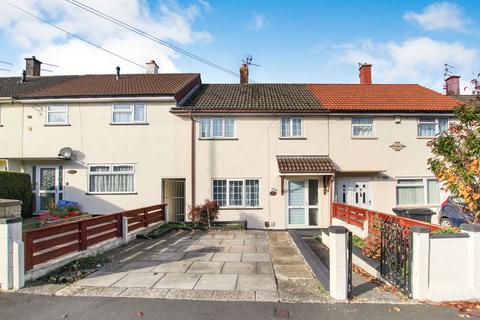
128,113
57,114
291,127
217,128
431,126
362,127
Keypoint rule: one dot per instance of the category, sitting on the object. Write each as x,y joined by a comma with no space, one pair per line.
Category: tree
456,154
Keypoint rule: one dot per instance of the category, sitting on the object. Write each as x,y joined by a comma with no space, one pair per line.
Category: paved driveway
219,265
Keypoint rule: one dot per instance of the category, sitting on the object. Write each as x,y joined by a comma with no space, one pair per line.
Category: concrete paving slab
243,249
287,260
42,289
233,295
264,267
139,266
256,282
263,249
209,242
267,296
198,256
144,293
177,281
168,256
86,291
205,267
101,279
292,272
283,251
233,242
256,257
217,282
239,267
138,280
229,257
172,266
189,294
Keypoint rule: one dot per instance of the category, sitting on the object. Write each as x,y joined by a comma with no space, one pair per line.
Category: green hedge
17,186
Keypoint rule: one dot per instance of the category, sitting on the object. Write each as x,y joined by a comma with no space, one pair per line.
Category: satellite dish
65,153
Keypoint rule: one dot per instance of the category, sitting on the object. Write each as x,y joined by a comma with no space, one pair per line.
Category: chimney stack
365,73
244,73
32,66
152,67
117,76
452,85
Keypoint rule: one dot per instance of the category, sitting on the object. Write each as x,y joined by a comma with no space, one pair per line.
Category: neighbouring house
276,155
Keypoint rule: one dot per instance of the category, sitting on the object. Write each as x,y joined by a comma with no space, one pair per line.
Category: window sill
425,138
57,125
221,139
130,124
292,138
110,193
240,208
364,138
412,206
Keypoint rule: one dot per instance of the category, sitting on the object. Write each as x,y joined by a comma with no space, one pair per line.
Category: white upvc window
57,114
236,193
431,126
418,191
291,127
123,113
362,127
217,128
111,178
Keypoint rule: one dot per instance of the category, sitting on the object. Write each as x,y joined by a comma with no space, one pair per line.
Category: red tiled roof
305,164
100,85
381,97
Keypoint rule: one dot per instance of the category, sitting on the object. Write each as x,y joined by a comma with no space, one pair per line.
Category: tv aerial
446,70
248,61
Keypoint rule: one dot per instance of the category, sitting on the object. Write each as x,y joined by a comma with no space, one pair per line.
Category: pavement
26,307
240,265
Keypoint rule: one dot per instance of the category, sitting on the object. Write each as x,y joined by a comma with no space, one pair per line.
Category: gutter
105,99
310,113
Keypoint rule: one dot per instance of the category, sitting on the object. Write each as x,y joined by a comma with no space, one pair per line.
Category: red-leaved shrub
204,213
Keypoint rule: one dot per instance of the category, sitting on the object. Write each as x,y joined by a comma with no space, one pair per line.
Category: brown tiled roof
13,86
305,164
162,84
468,98
251,98
381,97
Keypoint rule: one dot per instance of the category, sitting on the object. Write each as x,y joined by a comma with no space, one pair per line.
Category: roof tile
305,164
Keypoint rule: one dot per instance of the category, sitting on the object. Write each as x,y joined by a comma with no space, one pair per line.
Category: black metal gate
349,265
396,255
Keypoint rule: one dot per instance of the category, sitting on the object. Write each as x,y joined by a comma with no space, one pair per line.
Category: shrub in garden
204,213
372,243
17,186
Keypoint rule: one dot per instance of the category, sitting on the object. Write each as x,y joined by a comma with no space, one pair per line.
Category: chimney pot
117,76
452,85
244,73
365,73
32,66
152,67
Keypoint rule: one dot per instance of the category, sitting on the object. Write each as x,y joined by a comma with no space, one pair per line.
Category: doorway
302,203
49,188
173,194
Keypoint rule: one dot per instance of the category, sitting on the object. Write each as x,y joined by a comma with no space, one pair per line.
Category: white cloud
440,16
257,22
418,60
170,22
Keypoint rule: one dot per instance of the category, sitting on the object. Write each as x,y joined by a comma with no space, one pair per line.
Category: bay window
111,178
236,193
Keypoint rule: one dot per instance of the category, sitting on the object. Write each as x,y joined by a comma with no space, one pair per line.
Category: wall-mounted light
273,192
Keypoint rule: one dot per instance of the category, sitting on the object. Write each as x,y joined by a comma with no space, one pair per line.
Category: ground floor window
111,178
236,192
418,191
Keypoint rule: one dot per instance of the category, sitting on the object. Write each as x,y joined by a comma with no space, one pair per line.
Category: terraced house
275,155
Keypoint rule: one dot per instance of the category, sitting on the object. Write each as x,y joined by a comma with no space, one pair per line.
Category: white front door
302,203
353,191
48,188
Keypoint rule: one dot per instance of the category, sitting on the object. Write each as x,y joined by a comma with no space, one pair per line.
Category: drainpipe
193,159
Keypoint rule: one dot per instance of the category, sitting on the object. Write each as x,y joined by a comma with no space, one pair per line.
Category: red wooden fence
357,216
55,241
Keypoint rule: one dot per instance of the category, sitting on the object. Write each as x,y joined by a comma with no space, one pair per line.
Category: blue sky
293,41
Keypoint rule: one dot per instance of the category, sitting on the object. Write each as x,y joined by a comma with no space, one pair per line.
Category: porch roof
302,164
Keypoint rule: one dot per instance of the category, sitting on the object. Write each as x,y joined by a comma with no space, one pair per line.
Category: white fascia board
102,99
306,114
